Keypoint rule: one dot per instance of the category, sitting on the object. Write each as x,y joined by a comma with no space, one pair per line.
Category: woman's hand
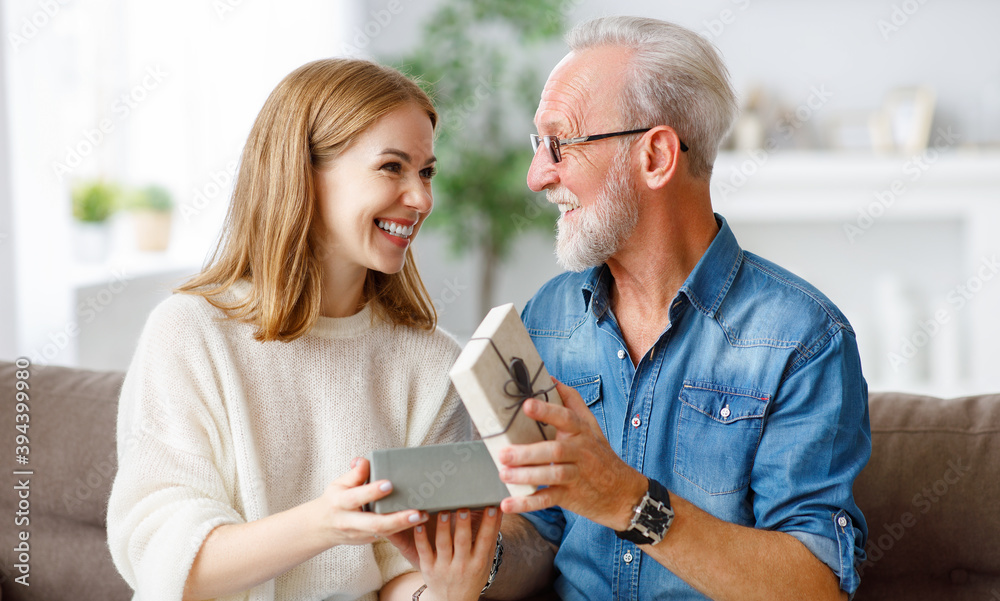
457,567
237,557
343,521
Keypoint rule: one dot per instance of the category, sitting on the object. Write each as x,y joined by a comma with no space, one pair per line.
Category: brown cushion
931,495
72,454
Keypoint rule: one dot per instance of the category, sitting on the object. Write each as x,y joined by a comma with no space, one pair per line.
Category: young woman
306,342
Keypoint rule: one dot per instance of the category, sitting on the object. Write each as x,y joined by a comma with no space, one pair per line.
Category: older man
715,413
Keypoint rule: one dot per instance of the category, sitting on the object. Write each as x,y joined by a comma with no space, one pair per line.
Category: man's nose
543,172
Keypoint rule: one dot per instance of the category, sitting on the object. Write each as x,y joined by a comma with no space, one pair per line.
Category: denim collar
705,287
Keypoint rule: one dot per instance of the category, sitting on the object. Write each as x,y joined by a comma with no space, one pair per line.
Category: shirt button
636,422
627,557
725,412
621,354
842,521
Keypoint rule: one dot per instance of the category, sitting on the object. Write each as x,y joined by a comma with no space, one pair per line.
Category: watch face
653,519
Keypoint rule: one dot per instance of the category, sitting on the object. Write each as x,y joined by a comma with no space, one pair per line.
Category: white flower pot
92,241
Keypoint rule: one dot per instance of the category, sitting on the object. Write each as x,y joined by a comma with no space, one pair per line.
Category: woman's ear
659,156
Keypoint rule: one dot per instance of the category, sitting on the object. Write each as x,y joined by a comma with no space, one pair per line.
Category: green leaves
94,201
151,198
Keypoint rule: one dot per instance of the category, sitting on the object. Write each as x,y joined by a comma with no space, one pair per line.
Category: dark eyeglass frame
554,144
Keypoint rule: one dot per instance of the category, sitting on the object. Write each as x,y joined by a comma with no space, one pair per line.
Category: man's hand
583,474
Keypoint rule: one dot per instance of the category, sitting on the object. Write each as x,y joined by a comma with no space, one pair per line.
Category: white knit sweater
217,428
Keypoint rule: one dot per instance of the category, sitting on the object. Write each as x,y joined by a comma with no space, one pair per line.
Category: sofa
931,493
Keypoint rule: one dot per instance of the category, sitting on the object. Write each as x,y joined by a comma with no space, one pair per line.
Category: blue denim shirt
751,405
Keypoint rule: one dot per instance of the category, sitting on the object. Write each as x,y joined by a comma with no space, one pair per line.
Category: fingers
487,535
538,453
424,551
356,476
355,497
561,418
540,499
463,532
442,541
548,474
572,417
376,525
574,402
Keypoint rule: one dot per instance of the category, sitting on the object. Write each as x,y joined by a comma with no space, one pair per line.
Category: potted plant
151,209
94,201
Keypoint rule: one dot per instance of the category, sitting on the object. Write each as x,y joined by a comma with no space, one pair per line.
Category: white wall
789,46
8,306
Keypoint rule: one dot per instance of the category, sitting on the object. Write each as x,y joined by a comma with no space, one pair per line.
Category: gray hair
675,78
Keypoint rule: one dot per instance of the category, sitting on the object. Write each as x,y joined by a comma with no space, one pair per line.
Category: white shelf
931,235
129,266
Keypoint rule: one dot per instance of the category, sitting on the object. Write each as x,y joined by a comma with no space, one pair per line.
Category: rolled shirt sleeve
815,443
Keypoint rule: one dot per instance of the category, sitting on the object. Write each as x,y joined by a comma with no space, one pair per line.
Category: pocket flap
589,388
724,404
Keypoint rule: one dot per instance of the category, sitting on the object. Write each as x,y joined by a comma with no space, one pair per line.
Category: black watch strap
653,516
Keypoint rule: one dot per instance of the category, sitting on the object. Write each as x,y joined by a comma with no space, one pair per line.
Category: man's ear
659,156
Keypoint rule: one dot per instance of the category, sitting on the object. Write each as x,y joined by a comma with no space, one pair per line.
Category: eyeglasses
554,144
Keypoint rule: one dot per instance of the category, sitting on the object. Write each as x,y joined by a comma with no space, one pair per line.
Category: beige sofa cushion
931,496
72,443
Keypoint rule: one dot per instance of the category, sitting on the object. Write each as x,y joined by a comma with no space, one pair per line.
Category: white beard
598,231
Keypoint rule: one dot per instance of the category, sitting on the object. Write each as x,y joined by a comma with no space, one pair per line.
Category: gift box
435,478
495,373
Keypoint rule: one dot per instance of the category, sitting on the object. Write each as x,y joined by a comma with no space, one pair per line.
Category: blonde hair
309,118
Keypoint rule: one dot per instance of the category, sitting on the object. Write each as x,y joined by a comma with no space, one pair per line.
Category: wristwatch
651,517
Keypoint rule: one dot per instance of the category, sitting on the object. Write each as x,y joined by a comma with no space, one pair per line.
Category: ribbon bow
523,387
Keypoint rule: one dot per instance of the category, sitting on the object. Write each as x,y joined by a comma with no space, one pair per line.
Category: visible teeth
402,231
563,207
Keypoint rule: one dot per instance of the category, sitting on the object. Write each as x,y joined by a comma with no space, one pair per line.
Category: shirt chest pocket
589,388
718,430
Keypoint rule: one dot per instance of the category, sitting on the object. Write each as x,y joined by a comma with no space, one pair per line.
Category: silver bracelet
497,560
